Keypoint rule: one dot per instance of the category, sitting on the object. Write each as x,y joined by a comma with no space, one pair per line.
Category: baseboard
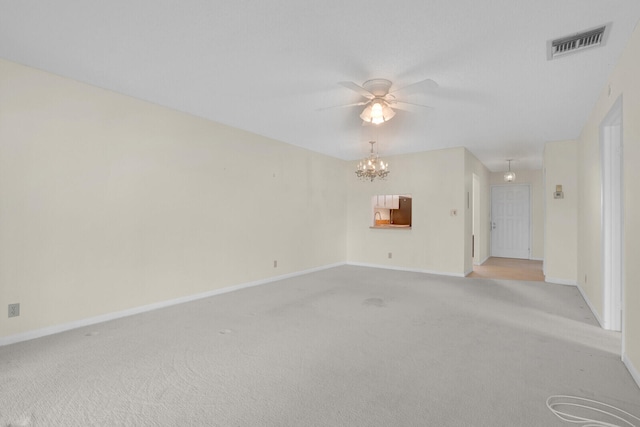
536,259
632,369
51,330
413,270
560,281
586,299
483,261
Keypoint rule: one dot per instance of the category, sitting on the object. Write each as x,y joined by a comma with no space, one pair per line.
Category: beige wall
561,227
439,181
109,203
622,82
483,234
589,215
534,179
436,241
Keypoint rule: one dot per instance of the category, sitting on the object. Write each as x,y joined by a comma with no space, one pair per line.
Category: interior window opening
391,211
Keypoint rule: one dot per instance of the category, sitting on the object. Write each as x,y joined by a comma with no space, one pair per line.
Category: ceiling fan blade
359,89
409,106
422,85
355,104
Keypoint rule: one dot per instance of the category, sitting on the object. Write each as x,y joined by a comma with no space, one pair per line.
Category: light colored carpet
349,346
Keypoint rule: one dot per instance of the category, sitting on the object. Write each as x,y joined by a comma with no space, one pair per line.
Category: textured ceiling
271,66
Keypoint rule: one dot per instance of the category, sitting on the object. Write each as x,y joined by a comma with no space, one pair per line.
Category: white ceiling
270,66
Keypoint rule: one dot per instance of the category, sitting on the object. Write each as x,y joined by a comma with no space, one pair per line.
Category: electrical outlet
14,310
390,255
275,263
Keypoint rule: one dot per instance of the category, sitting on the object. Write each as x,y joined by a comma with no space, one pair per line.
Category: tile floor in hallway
509,268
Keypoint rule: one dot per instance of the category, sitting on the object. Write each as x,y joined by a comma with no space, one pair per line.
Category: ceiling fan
381,102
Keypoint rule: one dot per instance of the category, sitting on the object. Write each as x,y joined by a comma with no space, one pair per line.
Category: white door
510,221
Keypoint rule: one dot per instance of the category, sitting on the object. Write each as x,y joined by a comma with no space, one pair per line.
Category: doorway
612,219
510,221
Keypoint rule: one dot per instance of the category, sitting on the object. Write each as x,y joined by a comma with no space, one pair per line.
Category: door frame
530,215
612,218
475,219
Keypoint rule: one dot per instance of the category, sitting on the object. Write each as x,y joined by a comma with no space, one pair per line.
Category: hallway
509,268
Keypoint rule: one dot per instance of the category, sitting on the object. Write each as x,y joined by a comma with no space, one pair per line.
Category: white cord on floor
553,402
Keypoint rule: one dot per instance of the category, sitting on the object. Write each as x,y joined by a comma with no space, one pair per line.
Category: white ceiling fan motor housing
378,87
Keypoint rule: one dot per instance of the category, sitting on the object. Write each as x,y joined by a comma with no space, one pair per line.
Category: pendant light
509,176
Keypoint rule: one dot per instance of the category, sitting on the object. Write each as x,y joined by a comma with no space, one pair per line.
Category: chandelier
509,176
372,167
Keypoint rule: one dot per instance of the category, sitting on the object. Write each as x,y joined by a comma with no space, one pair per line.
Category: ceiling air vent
577,42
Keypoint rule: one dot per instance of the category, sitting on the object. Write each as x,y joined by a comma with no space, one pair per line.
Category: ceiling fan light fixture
377,116
366,114
387,112
377,111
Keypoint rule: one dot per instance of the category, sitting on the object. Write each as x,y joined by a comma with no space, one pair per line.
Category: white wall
623,82
109,203
561,226
534,179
